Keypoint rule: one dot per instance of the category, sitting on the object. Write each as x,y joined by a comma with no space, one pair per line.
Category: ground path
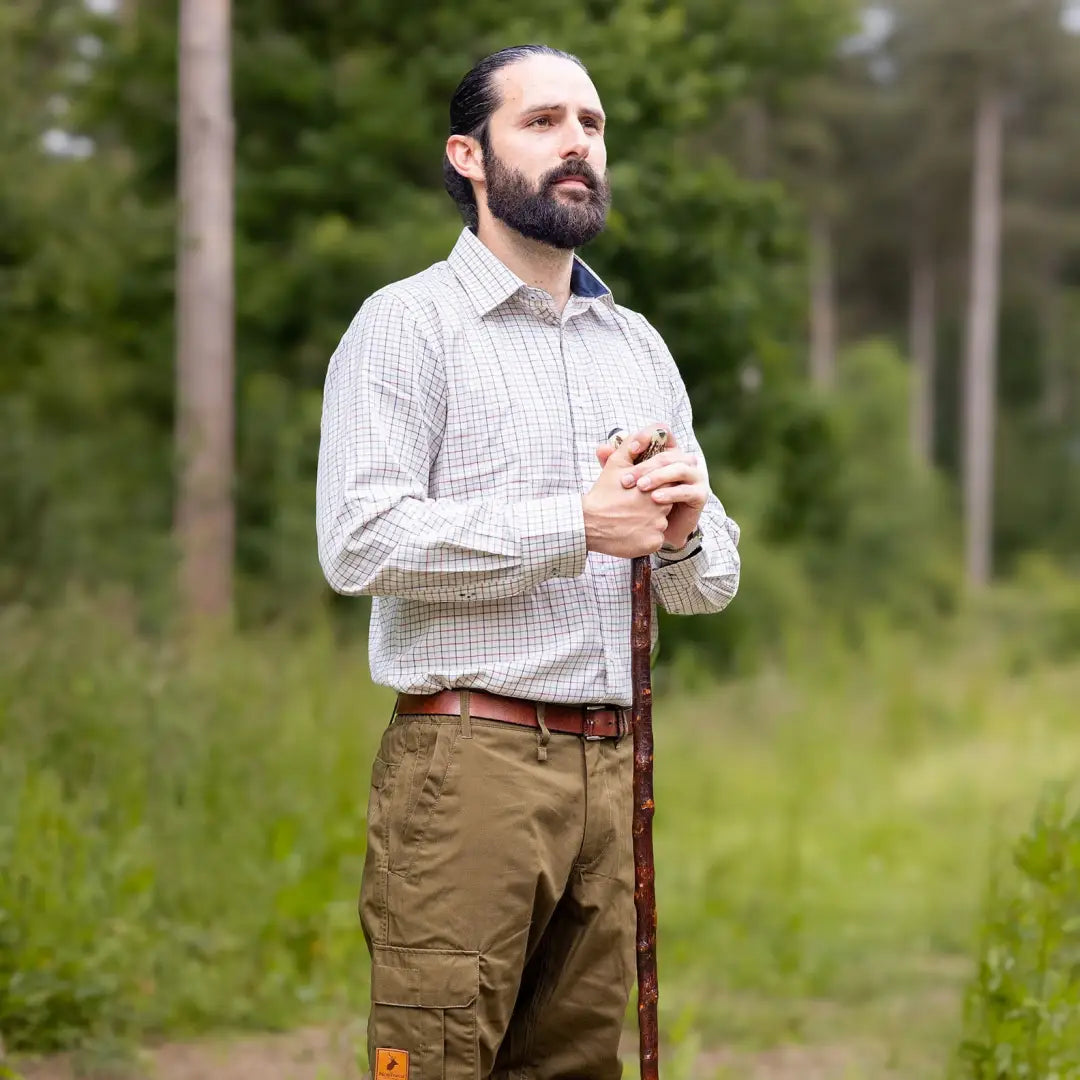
324,1053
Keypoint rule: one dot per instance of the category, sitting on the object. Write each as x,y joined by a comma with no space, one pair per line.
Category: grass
181,836
825,841
181,831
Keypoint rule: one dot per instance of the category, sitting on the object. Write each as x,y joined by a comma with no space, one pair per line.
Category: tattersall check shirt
460,422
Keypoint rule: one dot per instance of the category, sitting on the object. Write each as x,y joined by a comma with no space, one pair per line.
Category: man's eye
590,123
541,120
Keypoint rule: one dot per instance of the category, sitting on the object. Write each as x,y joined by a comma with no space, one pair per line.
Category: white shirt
461,416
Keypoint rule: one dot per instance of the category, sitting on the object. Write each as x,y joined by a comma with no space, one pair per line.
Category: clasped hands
633,509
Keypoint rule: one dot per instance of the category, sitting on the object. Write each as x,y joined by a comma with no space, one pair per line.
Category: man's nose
577,142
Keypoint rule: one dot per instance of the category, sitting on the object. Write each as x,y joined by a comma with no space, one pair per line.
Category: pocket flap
424,978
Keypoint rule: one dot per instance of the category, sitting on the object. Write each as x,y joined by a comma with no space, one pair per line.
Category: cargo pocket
423,1005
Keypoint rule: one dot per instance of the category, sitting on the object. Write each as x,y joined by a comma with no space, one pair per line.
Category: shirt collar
586,283
489,282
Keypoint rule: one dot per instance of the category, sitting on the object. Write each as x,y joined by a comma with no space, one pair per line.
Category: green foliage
1036,614
1042,516
338,191
341,117
842,526
1023,1008
716,274
181,831
181,834
877,521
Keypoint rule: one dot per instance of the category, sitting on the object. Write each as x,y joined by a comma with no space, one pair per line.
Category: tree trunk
1054,391
923,347
757,140
981,367
822,303
204,317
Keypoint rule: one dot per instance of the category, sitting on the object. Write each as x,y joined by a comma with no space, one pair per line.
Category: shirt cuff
692,546
682,575
552,532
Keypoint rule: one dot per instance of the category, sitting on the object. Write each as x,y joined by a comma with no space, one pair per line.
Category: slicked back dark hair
471,107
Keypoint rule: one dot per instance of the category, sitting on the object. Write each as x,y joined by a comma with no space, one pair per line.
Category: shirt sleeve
706,582
379,534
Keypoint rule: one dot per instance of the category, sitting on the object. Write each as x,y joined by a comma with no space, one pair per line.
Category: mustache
580,169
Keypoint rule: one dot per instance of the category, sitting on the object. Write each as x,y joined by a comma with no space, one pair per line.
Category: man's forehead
545,80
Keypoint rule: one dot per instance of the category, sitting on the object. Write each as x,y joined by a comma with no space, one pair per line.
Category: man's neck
539,265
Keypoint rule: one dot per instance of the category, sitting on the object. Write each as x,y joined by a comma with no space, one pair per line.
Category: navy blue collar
584,283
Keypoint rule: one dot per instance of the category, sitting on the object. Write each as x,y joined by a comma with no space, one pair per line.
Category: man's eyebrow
597,114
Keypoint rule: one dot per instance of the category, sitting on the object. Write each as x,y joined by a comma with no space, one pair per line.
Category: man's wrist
693,540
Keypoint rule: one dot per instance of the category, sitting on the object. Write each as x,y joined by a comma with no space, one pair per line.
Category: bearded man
467,483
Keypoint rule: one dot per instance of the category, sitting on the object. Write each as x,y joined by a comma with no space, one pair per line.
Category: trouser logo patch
391,1064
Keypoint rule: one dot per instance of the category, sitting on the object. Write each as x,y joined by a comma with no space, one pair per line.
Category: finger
691,494
670,472
668,457
679,472
616,457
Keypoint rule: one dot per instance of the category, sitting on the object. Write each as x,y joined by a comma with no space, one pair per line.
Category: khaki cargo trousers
498,902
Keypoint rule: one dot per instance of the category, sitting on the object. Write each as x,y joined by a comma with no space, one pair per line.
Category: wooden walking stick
644,866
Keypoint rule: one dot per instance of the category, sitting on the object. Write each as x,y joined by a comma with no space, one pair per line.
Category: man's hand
620,519
673,479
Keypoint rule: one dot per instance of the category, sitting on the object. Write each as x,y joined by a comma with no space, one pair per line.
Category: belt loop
466,721
543,736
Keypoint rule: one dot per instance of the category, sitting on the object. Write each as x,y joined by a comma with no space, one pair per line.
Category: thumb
603,452
619,456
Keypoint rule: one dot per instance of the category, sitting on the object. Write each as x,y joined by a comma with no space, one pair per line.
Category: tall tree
796,142
980,370
922,345
808,156
822,300
973,65
337,163
204,319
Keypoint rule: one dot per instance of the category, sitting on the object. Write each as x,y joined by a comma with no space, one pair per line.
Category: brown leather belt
591,721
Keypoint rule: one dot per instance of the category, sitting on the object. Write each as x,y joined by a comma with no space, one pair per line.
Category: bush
1023,1008
891,545
1036,613
844,531
181,829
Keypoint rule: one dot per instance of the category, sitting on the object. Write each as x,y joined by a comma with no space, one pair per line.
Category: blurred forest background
857,227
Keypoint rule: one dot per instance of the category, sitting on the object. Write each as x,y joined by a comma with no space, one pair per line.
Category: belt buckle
589,724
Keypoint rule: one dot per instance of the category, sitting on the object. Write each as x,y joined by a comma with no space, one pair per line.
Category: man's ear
466,156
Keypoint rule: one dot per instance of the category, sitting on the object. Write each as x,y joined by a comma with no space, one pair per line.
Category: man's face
545,163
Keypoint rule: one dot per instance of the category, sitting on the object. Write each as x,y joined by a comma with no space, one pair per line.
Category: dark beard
541,214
